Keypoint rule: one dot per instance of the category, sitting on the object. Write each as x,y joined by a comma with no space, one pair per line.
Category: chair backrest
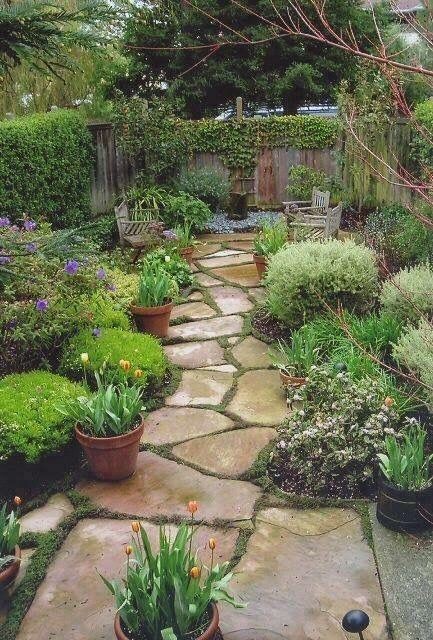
333,220
122,215
320,198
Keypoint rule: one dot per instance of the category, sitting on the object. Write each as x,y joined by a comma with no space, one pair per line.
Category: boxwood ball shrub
30,424
142,351
45,168
409,294
303,277
414,350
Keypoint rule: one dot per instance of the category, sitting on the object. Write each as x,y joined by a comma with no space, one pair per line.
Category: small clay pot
187,254
291,381
261,263
154,320
8,574
209,634
112,458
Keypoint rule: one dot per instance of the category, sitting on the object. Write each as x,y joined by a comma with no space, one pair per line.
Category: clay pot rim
259,258
295,380
208,634
109,440
189,249
151,311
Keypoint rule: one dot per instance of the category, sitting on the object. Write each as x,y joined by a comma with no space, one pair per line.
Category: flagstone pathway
299,570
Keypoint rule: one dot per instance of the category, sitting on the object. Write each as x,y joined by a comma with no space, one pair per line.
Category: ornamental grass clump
270,239
169,594
328,447
303,278
9,534
155,287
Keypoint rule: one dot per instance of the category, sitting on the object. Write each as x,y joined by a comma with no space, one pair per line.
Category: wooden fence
113,172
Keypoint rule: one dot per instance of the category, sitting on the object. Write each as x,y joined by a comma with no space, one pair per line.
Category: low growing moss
30,424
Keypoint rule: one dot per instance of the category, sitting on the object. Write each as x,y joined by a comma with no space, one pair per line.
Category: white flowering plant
330,444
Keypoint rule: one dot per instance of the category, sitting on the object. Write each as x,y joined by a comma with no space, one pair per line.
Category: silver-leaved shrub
409,294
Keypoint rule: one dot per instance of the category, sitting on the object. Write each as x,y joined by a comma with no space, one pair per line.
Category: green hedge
45,168
422,150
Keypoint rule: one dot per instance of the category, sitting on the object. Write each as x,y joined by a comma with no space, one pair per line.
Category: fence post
239,108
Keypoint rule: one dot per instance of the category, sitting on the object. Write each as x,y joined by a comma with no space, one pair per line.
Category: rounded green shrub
304,277
206,184
409,294
30,424
414,350
184,208
142,351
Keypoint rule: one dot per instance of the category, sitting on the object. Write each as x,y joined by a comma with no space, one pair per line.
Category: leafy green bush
143,353
303,179
414,350
167,259
206,184
329,446
408,294
30,424
45,166
146,202
304,277
184,208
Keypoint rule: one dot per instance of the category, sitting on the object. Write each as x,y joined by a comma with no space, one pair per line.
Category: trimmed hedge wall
45,168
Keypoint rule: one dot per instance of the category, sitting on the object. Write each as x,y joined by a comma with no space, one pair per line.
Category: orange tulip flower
138,373
388,402
192,506
17,501
135,526
128,550
195,572
212,543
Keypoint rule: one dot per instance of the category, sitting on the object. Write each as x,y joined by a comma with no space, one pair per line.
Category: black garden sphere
355,621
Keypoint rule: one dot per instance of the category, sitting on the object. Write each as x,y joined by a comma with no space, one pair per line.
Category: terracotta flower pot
9,573
291,381
187,254
112,458
261,263
154,320
209,634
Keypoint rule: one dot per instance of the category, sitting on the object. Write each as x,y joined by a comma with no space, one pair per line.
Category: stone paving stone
200,387
47,517
192,355
231,453
259,399
243,245
6,596
303,570
227,237
228,368
258,293
195,296
175,424
234,340
192,311
73,603
405,566
244,274
205,249
207,281
206,329
231,300
252,353
225,261
163,487
224,253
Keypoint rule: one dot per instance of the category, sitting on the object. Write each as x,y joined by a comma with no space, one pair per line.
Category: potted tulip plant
171,594
10,553
185,241
294,360
270,239
154,301
405,481
109,427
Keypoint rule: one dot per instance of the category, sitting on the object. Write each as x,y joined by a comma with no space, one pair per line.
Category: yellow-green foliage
125,286
414,350
409,294
30,425
304,277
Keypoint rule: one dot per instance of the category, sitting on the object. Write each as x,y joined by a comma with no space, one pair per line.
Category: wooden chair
318,204
132,233
318,226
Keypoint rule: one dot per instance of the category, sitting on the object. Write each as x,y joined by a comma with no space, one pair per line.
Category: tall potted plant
109,427
270,239
154,301
169,595
10,553
294,360
405,482
185,241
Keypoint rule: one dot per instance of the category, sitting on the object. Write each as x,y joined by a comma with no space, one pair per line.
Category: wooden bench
318,204
318,226
132,233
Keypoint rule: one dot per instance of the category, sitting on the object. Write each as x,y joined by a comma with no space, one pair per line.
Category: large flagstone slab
72,603
199,387
231,453
231,300
227,237
244,274
259,399
224,253
48,516
258,293
206,248
206,329
206,281
252,353
175,424
225,261
243,245
303,570
192,311
192,355
163,487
